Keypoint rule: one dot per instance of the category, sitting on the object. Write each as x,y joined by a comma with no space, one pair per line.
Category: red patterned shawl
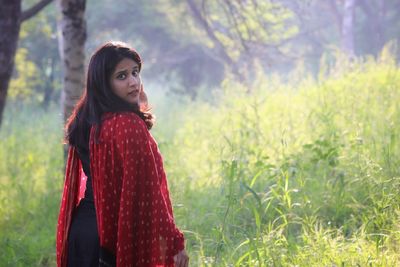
134,212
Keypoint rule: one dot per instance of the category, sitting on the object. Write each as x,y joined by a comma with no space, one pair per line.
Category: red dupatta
70,199
133,208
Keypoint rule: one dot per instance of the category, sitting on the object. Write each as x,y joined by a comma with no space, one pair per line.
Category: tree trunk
348,28
49,84
72,45
10,22
11,18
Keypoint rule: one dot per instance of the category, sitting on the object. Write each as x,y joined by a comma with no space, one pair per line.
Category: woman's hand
181,259
142,98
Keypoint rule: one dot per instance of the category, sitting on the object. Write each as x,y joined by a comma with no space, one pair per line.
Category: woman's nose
134,80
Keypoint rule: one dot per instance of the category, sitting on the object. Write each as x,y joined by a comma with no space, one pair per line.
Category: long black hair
98,97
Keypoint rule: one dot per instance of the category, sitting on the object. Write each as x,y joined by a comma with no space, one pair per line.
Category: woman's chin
133,100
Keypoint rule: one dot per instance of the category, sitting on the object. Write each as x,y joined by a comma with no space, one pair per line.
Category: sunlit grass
302,175
31,177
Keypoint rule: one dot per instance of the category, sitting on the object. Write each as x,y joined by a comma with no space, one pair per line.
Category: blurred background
278,121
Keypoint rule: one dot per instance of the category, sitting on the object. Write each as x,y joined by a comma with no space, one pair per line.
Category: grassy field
295,173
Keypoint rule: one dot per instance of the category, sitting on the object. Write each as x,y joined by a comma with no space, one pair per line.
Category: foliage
248,28
303,173
27,76
179,53
37,73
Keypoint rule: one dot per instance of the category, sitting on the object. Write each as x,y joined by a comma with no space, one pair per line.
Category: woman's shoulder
128,119
126,123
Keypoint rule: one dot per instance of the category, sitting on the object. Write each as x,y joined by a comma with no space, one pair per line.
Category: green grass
298,173
31,167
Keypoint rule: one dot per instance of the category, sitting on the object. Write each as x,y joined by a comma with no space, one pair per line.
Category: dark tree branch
32,11
219,46
232,15
203,22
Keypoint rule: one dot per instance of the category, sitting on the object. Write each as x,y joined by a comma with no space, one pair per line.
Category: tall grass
302,173
31,167
295,175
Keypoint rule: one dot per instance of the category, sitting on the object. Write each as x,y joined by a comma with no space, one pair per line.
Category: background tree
174,58
225,37
347,38
37,49
72,47
245,31
11,17
327,25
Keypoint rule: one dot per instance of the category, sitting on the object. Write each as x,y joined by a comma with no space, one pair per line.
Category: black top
83,239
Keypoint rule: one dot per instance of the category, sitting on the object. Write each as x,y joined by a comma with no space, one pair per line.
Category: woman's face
125,81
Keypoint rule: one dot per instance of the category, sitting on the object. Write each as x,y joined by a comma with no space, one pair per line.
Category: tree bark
11,17
347,42
10,23
72,44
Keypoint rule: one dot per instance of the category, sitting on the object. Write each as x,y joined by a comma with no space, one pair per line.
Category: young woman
115,209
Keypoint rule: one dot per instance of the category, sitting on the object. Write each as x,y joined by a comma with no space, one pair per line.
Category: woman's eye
135,73
121,76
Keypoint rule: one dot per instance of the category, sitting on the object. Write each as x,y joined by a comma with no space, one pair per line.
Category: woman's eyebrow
121,71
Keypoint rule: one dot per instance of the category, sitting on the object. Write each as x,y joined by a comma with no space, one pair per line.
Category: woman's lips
133,93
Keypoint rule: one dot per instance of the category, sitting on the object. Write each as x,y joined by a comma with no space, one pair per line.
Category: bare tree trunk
72,45
11,18
49,84
348,28
10,14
